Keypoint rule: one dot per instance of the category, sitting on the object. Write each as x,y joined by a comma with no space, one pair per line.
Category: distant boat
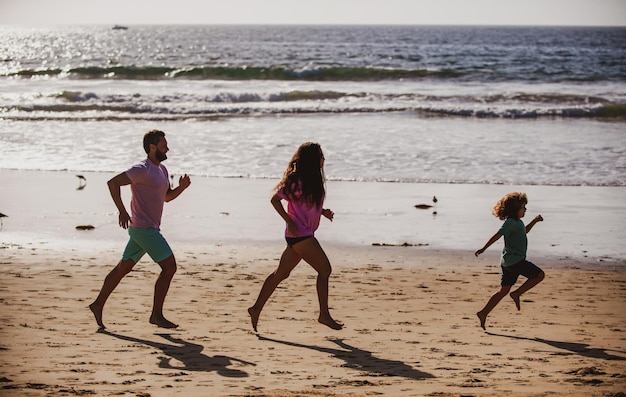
120,27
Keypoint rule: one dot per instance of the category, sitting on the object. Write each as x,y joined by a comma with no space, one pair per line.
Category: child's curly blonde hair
509,205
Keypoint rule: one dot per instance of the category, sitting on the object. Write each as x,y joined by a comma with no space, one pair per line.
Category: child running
302,187
511,208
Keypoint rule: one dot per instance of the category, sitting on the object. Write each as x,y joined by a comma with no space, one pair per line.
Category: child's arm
538,218
328,214
492,240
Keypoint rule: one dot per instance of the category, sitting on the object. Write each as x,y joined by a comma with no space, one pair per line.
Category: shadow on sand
189,354
582,349
361,359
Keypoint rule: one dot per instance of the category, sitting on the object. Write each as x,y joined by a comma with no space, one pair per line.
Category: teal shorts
148,241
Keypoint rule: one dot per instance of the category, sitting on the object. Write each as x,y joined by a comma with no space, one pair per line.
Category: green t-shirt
515,242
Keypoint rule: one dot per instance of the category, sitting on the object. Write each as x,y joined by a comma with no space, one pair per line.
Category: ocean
402,113
486,105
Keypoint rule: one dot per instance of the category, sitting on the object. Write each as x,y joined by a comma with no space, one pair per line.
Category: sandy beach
405,114
410,327
409,311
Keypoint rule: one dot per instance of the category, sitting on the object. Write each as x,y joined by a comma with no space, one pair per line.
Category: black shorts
511,273
294,240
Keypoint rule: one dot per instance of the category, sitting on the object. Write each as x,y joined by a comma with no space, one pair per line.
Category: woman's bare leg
288,261
311,251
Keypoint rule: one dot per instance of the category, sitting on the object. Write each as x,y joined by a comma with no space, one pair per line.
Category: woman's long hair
304,172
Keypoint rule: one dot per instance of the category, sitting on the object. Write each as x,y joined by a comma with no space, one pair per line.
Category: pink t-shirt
149,185
305,215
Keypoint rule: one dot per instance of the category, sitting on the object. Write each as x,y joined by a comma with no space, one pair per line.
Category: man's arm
115,185
183,183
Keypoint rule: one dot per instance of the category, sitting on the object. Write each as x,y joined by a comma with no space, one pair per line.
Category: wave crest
241,73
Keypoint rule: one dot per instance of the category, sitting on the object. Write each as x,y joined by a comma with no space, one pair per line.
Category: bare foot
97,313
162,322
254,317
329,322
515,298
482,319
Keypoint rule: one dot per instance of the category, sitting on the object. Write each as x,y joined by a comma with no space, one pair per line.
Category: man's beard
160,155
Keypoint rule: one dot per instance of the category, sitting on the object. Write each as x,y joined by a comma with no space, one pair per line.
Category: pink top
305,215
149,185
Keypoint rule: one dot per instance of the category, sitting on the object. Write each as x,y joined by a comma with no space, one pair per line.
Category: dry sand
409,314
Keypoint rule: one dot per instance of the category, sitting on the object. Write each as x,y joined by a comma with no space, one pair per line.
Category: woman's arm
328,214
278,206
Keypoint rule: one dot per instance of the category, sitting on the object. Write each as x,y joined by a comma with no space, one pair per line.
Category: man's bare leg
254,317
162,322
168,269
329,322
111,281
483,318
97,313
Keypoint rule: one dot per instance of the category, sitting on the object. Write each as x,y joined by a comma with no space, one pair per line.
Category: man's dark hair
152,138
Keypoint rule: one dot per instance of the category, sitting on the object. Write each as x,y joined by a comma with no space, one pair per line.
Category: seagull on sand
82,182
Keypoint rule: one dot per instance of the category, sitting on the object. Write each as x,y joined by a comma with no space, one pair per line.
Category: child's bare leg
311,251
288,261
491,304
530,283
516,299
